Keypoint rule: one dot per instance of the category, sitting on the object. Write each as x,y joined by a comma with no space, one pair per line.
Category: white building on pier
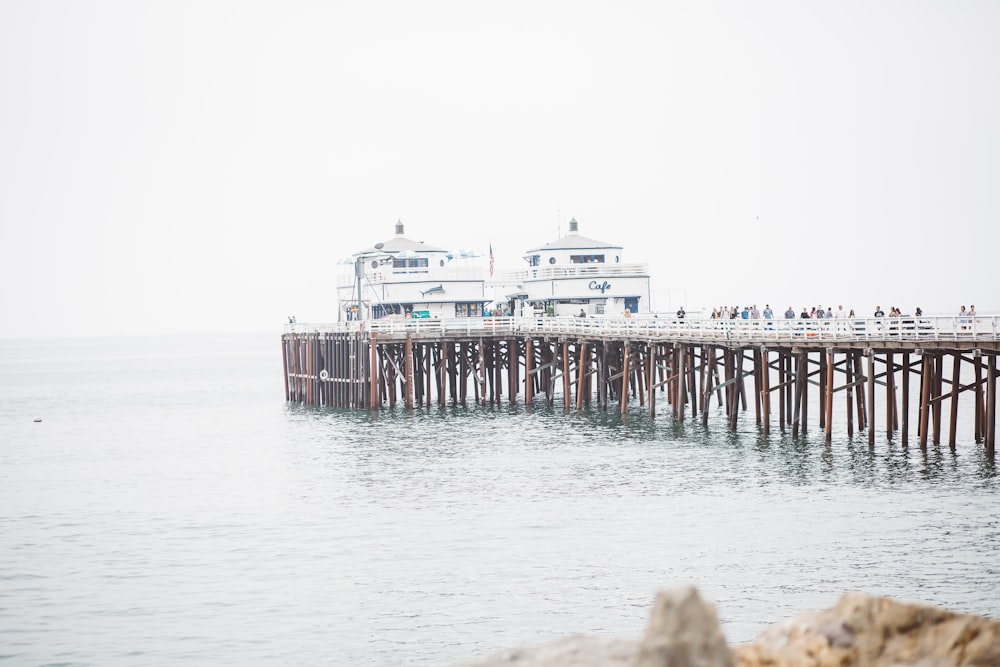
573,274
412,279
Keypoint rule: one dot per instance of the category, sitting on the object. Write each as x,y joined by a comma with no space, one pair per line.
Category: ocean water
171,509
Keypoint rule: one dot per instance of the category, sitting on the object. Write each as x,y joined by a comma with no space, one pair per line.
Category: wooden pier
780,369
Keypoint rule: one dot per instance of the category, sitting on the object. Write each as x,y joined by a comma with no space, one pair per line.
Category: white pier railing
873,330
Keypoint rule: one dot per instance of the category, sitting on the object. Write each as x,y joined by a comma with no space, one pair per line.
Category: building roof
399,243
573,241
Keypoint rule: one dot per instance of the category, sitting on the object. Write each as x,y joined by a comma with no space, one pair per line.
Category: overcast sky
203,166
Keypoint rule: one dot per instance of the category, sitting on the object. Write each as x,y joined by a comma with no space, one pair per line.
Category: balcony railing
573,271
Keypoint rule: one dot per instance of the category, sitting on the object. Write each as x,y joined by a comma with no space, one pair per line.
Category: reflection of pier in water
610,362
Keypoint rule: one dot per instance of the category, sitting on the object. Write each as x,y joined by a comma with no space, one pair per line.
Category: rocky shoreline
859,631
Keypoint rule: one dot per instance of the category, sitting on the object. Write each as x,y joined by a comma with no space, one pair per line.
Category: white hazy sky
179,166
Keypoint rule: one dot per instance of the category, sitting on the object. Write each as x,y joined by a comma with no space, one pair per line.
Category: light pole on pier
359,272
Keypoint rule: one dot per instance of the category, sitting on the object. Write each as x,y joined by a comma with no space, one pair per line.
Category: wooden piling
800,381
991,407
905,432
955,388
496,386
679,375
529,377
566,376
925,394
828,395
822,390
756,386
624,391
860,393
890,396
706,385
849,391
408,373
782,390
765,390
871,397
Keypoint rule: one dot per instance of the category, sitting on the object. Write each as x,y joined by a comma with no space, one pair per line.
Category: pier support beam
905,433
408,372
765,390
828,395
625,374
991,408
871,398
529,365
925,394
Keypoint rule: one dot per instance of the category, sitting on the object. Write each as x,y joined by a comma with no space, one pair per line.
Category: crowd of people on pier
814,313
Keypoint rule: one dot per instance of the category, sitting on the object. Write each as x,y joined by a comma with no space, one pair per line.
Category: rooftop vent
573,226
399,228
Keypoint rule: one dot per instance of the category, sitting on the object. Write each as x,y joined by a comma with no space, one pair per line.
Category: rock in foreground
876,632
859,631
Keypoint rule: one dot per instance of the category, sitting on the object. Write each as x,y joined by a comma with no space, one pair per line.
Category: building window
586,259
468,310
410,263
534,260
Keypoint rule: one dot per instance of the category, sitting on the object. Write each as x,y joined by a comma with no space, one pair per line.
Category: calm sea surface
171,509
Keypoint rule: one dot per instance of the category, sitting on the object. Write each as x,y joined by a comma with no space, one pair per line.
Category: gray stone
684,631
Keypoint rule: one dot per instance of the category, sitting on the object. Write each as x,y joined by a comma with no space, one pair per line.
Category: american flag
491,260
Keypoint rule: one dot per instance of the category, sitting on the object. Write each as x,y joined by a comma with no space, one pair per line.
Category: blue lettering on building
600,286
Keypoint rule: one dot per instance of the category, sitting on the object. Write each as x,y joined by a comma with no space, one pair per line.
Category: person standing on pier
681,313
789,314
841,316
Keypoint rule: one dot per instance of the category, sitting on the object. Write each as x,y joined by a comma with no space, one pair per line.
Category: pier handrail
855,330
